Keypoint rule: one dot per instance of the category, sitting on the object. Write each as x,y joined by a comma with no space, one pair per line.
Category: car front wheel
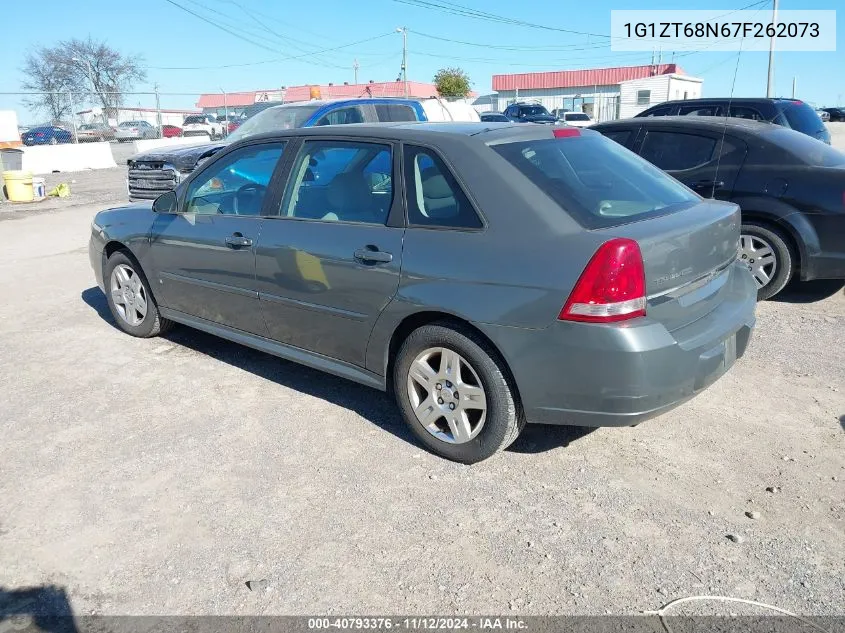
454,394
768,255
131,303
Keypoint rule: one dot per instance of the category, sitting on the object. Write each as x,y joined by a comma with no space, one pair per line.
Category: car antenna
721,147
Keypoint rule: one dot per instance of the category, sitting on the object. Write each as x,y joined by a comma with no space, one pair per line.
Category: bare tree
107,73
93,71
52,80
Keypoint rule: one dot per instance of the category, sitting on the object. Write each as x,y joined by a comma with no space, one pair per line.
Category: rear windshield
273,119
803,118
533,110
598,182
807,150
576,116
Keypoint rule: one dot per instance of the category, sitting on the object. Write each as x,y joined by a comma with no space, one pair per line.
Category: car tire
54,141
756,238
122,271
482,432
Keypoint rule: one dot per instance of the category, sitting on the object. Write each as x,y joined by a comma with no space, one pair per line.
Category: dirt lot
159,476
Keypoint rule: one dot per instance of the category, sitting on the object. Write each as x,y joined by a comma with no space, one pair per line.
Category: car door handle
372,255
237,241
701,184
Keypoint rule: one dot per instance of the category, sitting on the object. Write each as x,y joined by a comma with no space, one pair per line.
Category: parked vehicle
230,123
171,131
375,253
788,113
835,114
824,115
576,119
789,187
203,125
135,130
494,117
94,132
529,113
160,170
47,135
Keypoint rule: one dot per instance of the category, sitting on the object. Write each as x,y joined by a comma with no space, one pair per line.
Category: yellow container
18,185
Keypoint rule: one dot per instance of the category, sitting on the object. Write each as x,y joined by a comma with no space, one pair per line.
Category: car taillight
566,132
612,286
39,134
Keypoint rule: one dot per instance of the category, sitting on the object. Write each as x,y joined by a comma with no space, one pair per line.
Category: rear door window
395,112
343,116
620,136
662,111
698,110
744,112
594,180
673,151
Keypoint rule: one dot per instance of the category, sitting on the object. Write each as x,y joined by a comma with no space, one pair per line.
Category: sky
194,46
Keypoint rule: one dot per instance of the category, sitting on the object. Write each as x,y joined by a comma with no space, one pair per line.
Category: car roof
717,123
422,131
731,99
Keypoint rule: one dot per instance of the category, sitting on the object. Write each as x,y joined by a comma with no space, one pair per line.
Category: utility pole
404,31
73,117
355,69
158,109
770,82
794,81
226,110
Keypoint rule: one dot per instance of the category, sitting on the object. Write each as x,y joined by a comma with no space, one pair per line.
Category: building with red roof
603,93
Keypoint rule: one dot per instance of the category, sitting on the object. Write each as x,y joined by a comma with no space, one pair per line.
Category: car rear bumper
619,375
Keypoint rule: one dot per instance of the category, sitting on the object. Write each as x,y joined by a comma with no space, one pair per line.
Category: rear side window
435,198
395,112
673,151
807,150
803,118
597,182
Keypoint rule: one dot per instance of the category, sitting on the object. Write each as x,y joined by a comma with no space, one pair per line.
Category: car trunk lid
686,255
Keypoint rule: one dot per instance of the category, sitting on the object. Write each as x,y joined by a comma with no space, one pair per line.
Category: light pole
90,78
770,82
404,31
226,110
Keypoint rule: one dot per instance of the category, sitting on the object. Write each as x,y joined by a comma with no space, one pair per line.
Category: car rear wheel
454,394
769,257
54,141
131,303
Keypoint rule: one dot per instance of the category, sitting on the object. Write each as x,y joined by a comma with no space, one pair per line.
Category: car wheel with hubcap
455,394
769,257
131,303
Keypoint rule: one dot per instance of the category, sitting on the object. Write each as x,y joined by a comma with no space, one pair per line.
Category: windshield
803,118
576,116
272,119
596,181
194,119
806,149
534,110
128,124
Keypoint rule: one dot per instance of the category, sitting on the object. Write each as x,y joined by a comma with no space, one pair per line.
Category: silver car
135,130
486,274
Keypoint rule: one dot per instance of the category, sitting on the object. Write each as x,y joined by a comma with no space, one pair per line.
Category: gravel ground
159,476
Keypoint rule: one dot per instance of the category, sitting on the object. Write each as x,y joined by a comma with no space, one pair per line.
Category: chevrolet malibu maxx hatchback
487,275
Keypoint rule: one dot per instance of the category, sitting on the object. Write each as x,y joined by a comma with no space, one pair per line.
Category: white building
603,93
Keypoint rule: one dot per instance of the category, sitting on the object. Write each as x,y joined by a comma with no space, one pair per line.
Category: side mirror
165,203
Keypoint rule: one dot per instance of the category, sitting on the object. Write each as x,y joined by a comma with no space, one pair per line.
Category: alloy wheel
447,396
128,294
759,257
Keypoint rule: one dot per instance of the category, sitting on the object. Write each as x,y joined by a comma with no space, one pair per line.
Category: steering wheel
249,187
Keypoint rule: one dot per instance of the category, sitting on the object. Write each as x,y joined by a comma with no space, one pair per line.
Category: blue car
46,135
159,170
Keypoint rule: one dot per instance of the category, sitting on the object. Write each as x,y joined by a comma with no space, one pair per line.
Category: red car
170,131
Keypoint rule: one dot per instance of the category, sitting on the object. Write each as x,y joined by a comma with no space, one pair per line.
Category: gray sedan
488,275
135,130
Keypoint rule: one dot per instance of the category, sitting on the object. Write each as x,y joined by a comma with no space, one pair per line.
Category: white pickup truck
203,125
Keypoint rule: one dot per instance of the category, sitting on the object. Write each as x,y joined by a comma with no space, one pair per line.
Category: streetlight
404,31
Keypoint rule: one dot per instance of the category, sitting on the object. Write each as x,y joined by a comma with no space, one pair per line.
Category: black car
836,114
528,113
789,113
789,187
494,117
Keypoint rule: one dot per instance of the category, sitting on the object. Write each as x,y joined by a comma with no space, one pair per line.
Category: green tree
452,83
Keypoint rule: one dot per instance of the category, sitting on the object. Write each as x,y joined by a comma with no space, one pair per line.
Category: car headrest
434,185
